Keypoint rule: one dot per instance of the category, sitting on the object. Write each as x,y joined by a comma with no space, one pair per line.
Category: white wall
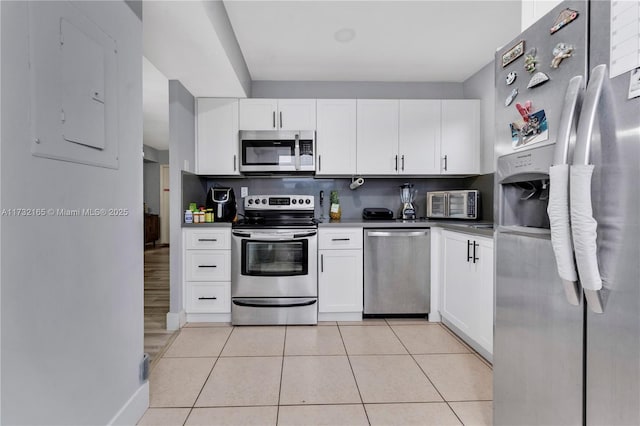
182,156
72,287
532,10
481,86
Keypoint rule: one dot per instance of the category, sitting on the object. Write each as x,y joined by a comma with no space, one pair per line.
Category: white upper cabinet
377,136
277,114
217,136
336,137
460,136
532,10
419,140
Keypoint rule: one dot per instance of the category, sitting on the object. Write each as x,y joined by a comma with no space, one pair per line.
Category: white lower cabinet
340,276
207,274
467,288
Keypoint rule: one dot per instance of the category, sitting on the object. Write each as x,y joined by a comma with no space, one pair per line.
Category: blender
407,195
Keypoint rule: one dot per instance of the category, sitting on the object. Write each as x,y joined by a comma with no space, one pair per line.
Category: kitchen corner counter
207,225
475,227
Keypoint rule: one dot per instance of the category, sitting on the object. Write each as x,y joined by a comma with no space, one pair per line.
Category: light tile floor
376,372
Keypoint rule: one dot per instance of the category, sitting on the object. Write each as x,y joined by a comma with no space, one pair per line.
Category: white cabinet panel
297,114
277,114
208,297
460,136
336,136
340,281
217,137
340,239
419,137
258,114
377,136
467,286
208,265
212,239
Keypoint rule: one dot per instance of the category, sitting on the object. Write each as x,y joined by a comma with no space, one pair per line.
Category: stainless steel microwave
453,204
270,151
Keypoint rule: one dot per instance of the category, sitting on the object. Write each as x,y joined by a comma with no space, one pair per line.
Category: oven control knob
308,201
264,201
250,201
300,201
293,201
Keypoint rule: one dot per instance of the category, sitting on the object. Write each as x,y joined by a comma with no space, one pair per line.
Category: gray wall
72,287
481,86
181,157
376,192
353,90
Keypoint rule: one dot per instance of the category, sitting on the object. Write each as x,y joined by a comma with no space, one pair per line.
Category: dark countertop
471,227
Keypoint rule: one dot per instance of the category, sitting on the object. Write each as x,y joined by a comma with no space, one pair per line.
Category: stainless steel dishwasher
397,271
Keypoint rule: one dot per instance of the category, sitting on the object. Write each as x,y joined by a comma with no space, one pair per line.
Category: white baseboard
175,320
133,410
339,316
208,318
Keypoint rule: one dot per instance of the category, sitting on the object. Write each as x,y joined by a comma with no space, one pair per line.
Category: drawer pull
207,266
207,239
207,298
341,239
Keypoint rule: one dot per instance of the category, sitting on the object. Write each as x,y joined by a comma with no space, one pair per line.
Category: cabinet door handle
468,250
341,239
322,263
207,239
403,163
274,119
474,251
396,163
281,119
445,163
319,162
207,266
207,298
234,162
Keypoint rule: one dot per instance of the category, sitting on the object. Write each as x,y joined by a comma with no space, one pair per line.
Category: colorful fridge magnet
560,52
511,77
566,16
512,54
527,132
537,79
530,60
511,97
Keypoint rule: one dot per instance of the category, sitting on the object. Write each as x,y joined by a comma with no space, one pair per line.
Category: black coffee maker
223,203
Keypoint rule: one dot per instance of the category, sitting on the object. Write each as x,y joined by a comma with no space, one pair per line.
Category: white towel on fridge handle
558,211
584,227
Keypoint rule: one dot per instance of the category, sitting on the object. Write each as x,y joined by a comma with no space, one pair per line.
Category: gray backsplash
376,192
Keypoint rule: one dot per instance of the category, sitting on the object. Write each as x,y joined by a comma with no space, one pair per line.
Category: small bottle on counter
188,216
208,215
201,217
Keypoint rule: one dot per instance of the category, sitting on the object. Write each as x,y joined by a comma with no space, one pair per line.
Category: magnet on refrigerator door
529,130
537,79
511,97
566,17
512,54
530,60
511,77
560,52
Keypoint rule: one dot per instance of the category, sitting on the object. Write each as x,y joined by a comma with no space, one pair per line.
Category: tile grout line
284,346
211,371
427,376
354,375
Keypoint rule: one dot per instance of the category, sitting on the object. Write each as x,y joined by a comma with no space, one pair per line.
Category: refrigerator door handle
584,225
558,208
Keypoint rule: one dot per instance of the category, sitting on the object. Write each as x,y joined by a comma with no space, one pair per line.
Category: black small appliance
223,202
377,213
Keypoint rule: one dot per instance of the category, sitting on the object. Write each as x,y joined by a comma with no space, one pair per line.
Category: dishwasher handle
397,234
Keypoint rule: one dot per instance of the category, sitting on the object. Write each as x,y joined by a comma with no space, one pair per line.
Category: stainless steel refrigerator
567,319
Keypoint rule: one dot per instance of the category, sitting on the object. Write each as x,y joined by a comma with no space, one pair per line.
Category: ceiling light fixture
345,35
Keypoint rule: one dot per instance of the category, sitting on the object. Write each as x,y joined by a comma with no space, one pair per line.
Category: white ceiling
434,41
395,41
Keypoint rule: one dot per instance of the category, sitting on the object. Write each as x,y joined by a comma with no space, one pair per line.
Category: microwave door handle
447,207
296,152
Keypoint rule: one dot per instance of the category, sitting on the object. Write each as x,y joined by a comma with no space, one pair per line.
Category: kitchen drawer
208,239
208,265
340,239
208,297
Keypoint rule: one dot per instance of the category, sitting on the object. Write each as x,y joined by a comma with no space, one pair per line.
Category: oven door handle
273,237
306,234
261,303
241,234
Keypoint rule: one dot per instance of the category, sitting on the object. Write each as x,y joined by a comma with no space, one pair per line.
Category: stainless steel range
274,262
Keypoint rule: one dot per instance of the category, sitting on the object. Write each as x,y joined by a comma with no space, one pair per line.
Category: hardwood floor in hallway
156,301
